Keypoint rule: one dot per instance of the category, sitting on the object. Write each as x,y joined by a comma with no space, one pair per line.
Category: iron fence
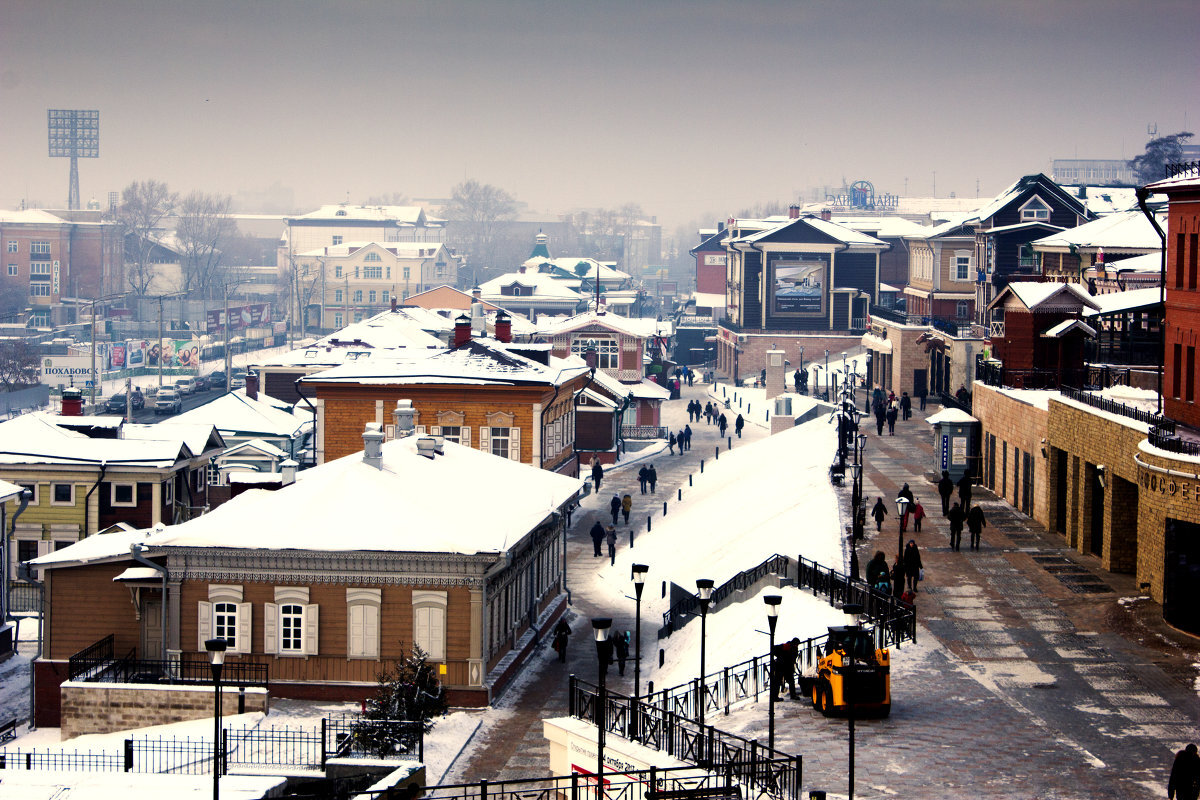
1172,443
1182,168
182,671
24,598
774,565
91,658
649,784
643,432
893,621
1114,407
15,758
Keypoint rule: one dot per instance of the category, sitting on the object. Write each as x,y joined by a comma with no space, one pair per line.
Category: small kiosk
955,443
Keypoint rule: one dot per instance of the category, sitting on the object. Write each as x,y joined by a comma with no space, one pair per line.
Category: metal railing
1182,168
643,432
774,565
647,784
770,772
183,671
1167,426
893,622
91,658
24,598
1168,441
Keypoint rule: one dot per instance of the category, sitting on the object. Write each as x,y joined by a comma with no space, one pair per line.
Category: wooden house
1041,333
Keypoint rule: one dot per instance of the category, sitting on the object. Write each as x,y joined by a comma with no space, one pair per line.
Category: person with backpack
671,442
878,574
893,410
722,425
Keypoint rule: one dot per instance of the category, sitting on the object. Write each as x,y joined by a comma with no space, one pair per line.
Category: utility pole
160,340
228,354
95,375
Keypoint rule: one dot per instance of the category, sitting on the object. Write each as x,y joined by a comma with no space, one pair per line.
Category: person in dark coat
626,507
878,574
879,511
642,478
912,564
561,631
671,443
708,413
963,396
898,576
905,406
597,474
738,424
1184,782
722,424
611,538
614,507
621,647
880,417
893,411
796,380
975,524
687,437
907,494
956,517
965,484
597,533
784,667
922,395
652,477
945,489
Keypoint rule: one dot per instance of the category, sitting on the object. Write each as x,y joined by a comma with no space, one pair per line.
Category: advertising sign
240,317
116,356
799,286
66,370
135,353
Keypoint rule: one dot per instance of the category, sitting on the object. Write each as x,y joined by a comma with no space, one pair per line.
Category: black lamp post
639,583
826,374
704,587
772,601
854,610
600,627
902,509
216,656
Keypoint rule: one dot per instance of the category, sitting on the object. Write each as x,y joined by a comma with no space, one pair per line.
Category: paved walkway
1036,674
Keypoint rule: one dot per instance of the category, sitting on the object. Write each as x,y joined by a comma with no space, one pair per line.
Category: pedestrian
898,575
880,417
597,533
1184,782
922,395
956,517
597,474
642,478
905,406
652,477
945,489
918,514
687,437
614,507
913,569
893,410
975,524
691,375
965,484
561,631
879,511
783,667
708,412
611,539
907,494
963,396
738,424
621,645
878,574
679,442
671,442
796,380
626,507
722,424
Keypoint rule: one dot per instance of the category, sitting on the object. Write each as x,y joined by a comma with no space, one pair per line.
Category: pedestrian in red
918,514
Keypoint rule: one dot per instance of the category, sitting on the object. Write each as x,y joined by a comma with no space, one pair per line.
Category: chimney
393,303
720,227
462,330
252,385
288,471
826,214
793,211
373,445
426,447
72,402
731,222
439,445
522,270
477,294
503,327
478,320
404,416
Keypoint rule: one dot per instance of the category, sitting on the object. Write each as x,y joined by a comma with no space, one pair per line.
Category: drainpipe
304,397
12,533
542,427
88,497
1143,194
136,549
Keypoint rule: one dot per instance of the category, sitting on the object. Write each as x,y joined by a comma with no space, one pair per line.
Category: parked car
216,380
238,381
186,385
168,401
202,383
116,403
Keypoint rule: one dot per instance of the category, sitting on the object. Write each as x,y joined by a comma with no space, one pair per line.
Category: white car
167,401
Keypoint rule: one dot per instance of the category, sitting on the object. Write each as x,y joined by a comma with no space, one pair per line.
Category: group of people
906,570
618,650
648,476
682,440
889,408
961,511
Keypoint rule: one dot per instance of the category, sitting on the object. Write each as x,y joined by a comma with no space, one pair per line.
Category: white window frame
13,247
34,487
214,474
39,247
308,619
13,270
499,441
608,352
39,289
54,486
336,240
964,260
1039,214
429,623
362,611
207,611
112,497
169,490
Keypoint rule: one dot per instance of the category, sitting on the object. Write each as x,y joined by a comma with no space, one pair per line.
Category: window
499,445
26,550
33,490
372,257
39,248
62,494
337,240
383,296
389,273
358,295
123,494
358,316
225,622
168,491
606,351
429,623
214,475
963,310
291,628
406,273
61,544
12,270
337,320
290,623
1192,259
12,246
39,289
452,433
224,616
337,296
337,271
39,268
371,296
962,265
1034,210
362,623
373,272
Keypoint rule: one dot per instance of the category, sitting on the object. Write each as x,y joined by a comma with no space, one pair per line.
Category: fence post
730,442
224,751
718,452
420,741
483,789
647,523
324,743
574,786
702,466
571,695
679,497
664,508
631,537
689,480
128,755
726,679
754,757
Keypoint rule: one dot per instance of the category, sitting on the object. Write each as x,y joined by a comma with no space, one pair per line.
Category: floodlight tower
74,134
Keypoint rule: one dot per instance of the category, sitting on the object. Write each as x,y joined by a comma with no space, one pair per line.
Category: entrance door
1181,576
1096,545
920,382
151,628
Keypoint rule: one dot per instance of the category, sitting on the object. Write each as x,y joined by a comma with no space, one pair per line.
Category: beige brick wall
1168,488
1018,426
109,707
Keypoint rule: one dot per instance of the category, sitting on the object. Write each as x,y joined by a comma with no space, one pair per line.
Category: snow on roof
235,414
642,327
543,285
950,414
36,439
1129,230
398,249
887,287
56,784
952,223
264,447
834,230
569,264
1188,180
30,215
1032,293
644,389
407,329
196,434
409,215
138,574
1148,262
1115,302
882,227
1105,199
336,507
1066,326
1025,226
9,490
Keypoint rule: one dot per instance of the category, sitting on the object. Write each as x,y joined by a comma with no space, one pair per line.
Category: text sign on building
240,317
66,370
715,260
57,278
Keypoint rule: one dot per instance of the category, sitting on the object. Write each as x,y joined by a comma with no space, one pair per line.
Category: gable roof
343,212
641,327
812,230
543,286
1129,230
1038,184
1032,294
36,439
711,243
235,414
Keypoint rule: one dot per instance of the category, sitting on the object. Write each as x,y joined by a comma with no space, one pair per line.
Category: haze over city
690,109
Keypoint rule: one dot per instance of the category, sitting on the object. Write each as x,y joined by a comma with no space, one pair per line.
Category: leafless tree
480,207
143,206
14,296
388,199
19,363
204,228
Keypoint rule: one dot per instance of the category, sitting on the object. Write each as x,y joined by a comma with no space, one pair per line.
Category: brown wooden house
1041,340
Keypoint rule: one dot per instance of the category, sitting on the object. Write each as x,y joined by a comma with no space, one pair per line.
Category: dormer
1035,210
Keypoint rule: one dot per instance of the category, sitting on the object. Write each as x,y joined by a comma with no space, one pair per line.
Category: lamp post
639,583
704,587
854,610
600,628
216,657
772,601
827,374
902,508
802,364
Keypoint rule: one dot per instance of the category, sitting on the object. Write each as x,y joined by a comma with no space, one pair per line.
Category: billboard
798,285
67,370
254,315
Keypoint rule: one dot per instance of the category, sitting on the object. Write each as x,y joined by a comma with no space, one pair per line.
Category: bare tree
203,229
388,199
19,363
143,206
1151,165
481,207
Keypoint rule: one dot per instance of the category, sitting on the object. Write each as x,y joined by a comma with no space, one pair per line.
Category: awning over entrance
873,342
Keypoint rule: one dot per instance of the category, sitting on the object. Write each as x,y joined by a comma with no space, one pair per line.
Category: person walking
597,533
561,632
878,574
652,477
784,667
975,524
913,568
722,425
905,406
621,646
918,514
611,539
642,478
965,484
614,507
907,494
687,437
956,517
1184,782
708,413
922,395
880,417
626,507
893,411
597,475
796,380
738,424
898,576
671,442
879,512
945,489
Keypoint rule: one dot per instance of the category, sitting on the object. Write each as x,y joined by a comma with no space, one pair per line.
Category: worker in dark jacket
597,474
956,517
965,484
975,524
945,489
597,533
784,667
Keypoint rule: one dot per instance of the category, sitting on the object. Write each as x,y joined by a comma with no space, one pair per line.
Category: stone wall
1168,488
1011,424
109,707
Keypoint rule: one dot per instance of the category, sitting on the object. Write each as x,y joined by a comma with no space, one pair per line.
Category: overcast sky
691,109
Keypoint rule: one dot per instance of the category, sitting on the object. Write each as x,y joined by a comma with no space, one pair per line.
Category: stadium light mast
73,134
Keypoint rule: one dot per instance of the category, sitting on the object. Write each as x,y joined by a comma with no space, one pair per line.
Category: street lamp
772,601
216,657
600,628
704,586
855,610
902,508
826,374
639,583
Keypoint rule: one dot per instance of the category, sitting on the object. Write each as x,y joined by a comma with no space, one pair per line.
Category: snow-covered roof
8,491
29,215
1125,230
644,389
1149,262
408,215
883,227
1188,180
952,223
198,435
336,508
264,447
235,414
570,264
833,230
398,249
1013,192
1066,326
36,439
642,327
1115,302
544,286
405,328
1033,293
1105,199
1025,226
952,415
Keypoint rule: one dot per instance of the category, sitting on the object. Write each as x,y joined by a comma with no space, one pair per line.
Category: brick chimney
288,471
72,402
393,302
252,385
503,327
462,330
793,211
477,294
826,214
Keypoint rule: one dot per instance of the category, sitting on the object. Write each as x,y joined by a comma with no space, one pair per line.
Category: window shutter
270,628
244,612
466,436
311,627
204,623
420,430
370,630
483,437
435,430
514,444
437,634
358,623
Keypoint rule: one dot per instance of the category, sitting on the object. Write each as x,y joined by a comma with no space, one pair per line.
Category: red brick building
711,260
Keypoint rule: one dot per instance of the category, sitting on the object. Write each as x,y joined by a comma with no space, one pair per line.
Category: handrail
776,564
90,657
1114,407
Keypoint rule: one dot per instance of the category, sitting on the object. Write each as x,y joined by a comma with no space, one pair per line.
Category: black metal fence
1115,407
774,565
181,671
770,772
893,622
1182,168
24,598
1170,442
643,432
91,658
649,784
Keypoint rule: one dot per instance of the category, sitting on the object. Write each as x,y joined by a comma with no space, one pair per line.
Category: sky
691,109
